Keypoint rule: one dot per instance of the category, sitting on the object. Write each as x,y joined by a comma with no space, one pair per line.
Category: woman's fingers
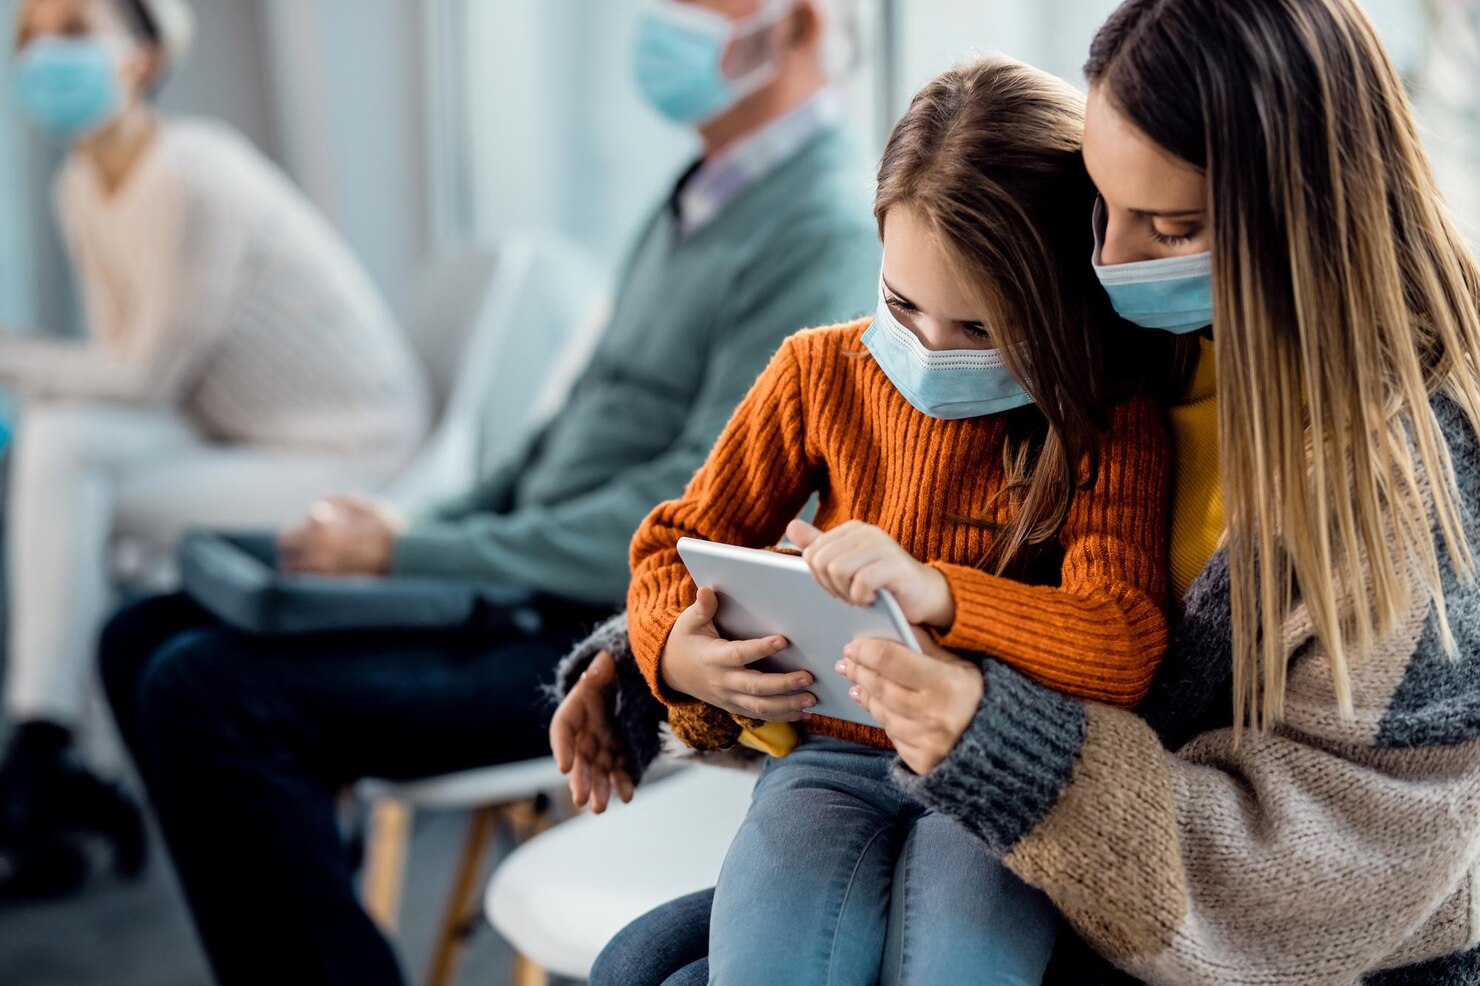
580,782
890,693
601,792
871,704
602,670
893,661
624,785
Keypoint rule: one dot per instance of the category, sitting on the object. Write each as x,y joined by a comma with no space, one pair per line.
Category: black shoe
51,808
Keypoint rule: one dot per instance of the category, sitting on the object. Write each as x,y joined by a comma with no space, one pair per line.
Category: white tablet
764,592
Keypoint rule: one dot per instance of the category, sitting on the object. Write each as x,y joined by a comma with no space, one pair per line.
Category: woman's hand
923,701
344,535
698,662
585,746
854,561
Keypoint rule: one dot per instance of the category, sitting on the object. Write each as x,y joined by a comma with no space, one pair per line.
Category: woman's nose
1117,246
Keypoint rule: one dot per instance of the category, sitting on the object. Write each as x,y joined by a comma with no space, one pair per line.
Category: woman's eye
903,306
1171,239
977,331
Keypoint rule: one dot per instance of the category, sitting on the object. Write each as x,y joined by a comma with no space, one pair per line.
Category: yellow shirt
1197,490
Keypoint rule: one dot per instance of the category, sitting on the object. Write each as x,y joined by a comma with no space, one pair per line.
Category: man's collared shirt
713,184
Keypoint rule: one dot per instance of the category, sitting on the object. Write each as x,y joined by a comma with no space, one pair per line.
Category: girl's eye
977,331
903,306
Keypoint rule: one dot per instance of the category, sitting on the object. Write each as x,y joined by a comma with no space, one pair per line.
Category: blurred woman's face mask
68,87
678,58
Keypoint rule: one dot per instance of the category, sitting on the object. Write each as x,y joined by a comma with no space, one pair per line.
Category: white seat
494,329
561,897
508,793
471,788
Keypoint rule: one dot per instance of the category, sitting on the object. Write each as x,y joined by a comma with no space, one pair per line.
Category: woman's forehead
1130,169
57,16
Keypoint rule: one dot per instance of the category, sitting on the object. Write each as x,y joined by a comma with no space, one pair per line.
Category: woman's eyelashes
976,331
1175,239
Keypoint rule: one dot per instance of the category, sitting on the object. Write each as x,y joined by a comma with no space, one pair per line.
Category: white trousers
85,477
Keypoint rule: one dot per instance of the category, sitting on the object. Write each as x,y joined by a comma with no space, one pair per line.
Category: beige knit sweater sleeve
1329,850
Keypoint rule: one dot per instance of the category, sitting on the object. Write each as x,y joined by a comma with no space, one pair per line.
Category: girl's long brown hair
1345,299
989,154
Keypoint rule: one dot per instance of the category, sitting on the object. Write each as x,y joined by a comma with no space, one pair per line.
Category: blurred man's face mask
68,86
679,55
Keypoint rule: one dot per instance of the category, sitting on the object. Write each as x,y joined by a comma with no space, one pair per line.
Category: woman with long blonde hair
1298,800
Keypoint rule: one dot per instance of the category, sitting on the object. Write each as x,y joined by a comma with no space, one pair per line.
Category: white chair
503,335
496,330
561,897
508,795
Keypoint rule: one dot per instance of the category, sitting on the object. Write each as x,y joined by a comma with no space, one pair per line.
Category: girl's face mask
949,384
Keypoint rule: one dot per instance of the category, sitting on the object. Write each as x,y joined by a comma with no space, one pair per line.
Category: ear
803,29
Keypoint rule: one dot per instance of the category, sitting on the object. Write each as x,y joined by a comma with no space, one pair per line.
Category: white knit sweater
212,285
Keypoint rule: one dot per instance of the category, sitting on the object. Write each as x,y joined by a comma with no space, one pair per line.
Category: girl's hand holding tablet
855,560
701,664
923,701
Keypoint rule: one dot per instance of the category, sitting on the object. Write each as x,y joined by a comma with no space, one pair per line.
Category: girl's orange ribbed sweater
824,418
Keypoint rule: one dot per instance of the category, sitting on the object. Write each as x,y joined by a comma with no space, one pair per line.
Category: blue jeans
836,877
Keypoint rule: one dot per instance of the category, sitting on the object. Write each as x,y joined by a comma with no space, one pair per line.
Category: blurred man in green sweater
244,742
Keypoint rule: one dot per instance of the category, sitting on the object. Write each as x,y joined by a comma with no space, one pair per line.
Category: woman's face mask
68,87
1174,294
947,384
679,55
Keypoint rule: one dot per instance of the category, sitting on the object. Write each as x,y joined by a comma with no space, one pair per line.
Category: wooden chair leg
461,912
385,861
526,973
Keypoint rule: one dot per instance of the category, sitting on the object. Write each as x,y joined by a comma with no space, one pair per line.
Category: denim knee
658,945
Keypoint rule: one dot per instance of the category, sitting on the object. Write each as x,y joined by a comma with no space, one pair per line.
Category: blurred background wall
422,124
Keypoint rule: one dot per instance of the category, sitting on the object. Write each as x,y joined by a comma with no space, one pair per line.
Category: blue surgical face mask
1174,294
678,58
68,86
950,384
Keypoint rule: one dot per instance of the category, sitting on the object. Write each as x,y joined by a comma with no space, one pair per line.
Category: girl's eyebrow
902,299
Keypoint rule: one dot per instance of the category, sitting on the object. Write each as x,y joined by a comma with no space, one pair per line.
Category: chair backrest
490,353
447,299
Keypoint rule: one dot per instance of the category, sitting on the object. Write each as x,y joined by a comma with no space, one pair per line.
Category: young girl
960,463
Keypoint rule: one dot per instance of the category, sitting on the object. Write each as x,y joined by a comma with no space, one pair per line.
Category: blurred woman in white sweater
238,362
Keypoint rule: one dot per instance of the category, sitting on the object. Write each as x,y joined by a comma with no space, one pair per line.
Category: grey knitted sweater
1333,851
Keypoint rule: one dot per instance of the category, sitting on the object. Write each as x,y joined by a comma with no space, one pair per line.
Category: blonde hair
1345,301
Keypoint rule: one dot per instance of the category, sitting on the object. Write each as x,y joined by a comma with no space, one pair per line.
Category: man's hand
582,738
923,701
344,535
855,560
698,662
